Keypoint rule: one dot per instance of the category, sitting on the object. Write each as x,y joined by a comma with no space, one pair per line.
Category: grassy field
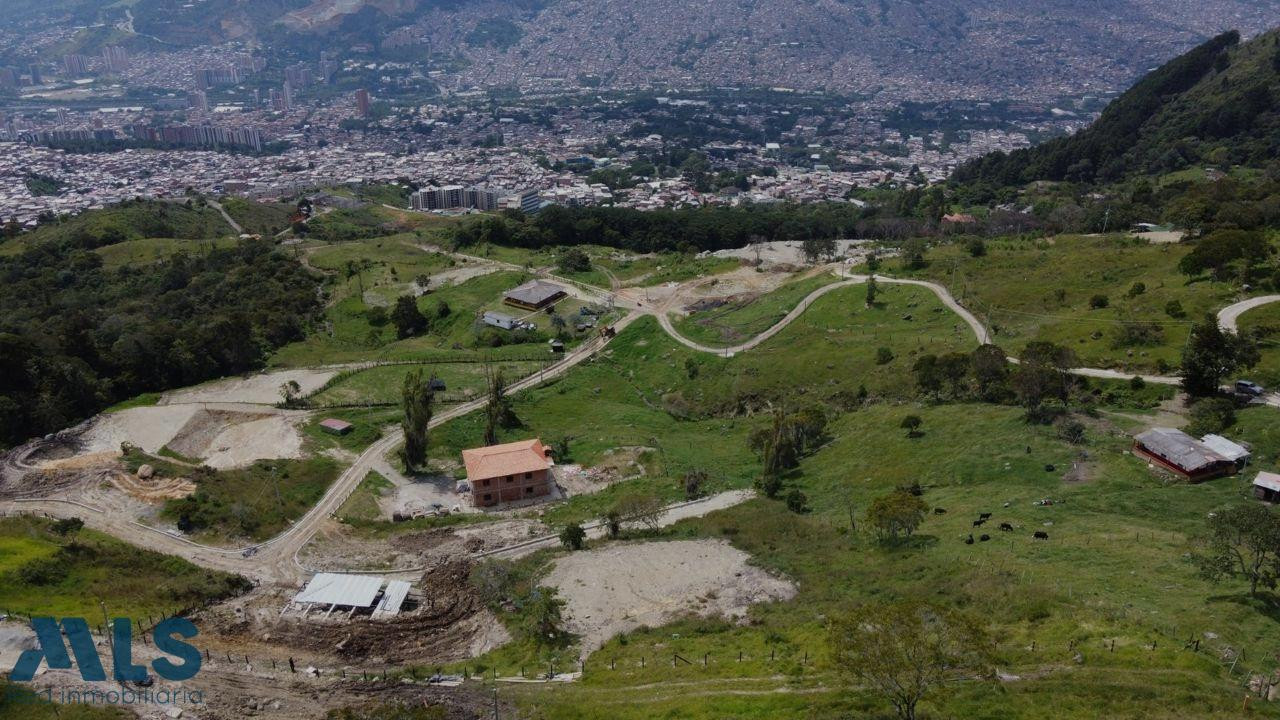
1264,323
743,319
1112,569
44,573
266,219
351,336
383,384
363,503
1042,290
394,259
151,250
255,502
693,411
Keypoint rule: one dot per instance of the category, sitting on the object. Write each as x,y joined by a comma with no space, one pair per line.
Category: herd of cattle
982,520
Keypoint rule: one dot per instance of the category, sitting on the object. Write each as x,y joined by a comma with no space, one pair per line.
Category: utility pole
106,626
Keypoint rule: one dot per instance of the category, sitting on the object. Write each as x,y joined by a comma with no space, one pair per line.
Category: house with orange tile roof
508,473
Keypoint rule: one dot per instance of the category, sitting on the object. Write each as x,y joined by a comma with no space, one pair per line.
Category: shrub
1099,301
797,502
1211,415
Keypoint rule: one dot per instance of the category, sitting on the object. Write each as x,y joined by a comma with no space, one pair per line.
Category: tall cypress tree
418,400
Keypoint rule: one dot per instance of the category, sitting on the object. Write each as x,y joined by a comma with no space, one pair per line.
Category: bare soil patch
791,253
621,587
444,627
154,489
260,389
220,438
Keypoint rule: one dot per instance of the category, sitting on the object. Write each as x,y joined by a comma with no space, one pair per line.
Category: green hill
1218,103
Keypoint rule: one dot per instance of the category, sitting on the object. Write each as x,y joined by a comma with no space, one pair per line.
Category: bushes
1211,415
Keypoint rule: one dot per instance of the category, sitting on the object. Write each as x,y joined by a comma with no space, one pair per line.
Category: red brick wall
487,492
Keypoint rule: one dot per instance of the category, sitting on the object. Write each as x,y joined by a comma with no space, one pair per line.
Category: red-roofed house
510,472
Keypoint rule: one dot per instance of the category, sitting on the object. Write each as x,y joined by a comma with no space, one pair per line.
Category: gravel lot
621,587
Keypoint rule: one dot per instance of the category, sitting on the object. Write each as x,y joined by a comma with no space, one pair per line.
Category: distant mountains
1217,104
899,49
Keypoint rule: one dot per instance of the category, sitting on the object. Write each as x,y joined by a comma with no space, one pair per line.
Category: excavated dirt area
619,588
262,389
336,547
233,690
222,438
791,253
154,489
449,623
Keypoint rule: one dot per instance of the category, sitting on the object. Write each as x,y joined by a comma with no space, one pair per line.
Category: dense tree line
1214,104
691,229
76,337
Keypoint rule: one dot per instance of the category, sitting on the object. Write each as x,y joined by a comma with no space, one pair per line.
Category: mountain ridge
1218,103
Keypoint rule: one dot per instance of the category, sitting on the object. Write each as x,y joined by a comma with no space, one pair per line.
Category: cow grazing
969,540
984,516
1006,527
984,538
939,511
1042,535
978,523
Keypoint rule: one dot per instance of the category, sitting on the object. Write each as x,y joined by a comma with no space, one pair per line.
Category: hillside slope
922,50
1218,103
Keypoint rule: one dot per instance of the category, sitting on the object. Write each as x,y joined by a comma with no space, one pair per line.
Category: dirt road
1229,316
979,330
276,559
672,515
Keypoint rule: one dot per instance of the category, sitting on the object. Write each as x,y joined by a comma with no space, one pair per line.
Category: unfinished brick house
508,473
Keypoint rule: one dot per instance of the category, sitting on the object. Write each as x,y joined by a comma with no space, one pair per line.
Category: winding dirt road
276,560
1228,319
1229,316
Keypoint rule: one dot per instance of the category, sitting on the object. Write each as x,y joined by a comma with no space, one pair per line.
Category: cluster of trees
1136,133
897,515
1211,355
418,404
785,440
696,229
76,337
1223,253
1241,542
131,220
903,651
1039,382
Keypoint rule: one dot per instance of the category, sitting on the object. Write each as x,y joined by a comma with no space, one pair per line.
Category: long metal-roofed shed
1182,454
534,295
351,594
